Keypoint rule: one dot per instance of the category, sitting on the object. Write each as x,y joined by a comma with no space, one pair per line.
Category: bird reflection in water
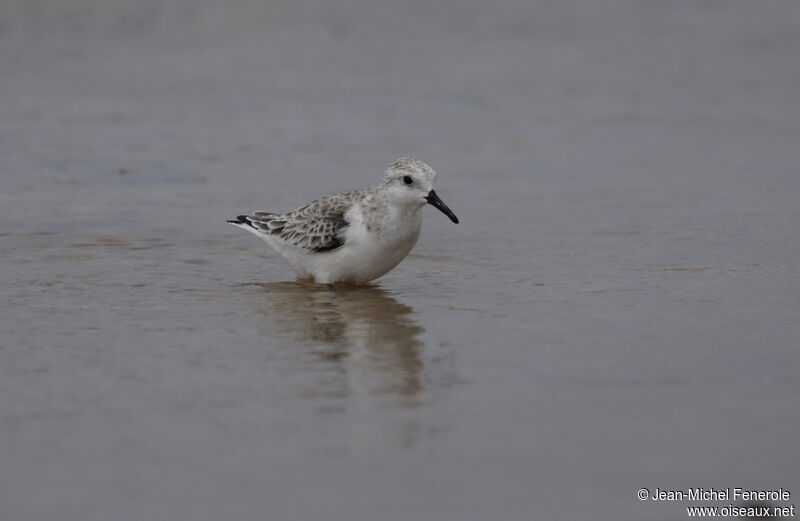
363,331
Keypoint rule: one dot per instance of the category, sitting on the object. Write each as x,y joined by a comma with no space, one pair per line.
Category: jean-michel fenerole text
720,494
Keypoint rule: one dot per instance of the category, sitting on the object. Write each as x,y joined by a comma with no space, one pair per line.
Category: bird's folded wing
318,226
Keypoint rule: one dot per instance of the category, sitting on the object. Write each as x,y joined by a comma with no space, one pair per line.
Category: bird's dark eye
407,179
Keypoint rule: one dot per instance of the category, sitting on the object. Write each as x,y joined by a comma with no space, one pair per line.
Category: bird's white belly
365,256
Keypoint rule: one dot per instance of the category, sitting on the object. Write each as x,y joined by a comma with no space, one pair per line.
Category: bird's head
409,182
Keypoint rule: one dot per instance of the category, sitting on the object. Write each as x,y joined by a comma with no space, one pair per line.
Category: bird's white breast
373,248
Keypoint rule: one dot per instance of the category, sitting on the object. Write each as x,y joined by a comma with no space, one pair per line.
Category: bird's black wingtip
241,219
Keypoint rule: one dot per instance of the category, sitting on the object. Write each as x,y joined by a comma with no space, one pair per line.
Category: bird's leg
333,288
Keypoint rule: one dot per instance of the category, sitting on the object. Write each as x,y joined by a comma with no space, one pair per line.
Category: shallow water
617,308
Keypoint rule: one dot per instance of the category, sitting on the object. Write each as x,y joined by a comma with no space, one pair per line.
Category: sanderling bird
355,236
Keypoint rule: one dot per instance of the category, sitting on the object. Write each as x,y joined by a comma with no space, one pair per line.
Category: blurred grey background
617,309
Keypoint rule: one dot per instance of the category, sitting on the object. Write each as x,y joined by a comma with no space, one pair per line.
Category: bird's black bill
434,200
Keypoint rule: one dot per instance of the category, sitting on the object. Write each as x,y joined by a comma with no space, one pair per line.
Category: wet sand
617,308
